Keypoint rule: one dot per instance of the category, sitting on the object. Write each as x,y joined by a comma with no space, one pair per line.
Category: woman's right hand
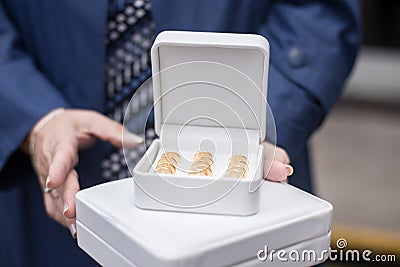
55,156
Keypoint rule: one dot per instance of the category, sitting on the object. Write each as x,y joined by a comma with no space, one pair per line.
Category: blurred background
356,159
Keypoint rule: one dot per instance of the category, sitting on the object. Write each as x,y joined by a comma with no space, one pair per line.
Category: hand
276,163
56,155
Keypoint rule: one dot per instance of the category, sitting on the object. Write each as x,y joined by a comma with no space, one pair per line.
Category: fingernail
290,170
72,229
66,206
134,138
47,181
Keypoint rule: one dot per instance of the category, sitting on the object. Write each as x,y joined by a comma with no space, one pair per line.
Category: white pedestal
113,231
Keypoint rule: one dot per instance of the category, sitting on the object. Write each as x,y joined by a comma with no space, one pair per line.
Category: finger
71,224
282,156
41,161
277,153
112,131
71,187
64,160
53,210
278,171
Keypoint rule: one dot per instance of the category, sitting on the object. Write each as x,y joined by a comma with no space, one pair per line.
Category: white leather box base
198,194
114,231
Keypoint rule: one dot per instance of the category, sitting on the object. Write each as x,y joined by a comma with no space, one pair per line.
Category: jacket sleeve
25,93
313,48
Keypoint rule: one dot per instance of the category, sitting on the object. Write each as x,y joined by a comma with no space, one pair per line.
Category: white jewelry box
115,232
209,94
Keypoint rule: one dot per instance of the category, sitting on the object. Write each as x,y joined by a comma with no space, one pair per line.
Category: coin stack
202,164
238,167
168,163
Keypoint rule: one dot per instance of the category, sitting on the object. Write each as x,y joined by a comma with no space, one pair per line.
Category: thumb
111,131
278,171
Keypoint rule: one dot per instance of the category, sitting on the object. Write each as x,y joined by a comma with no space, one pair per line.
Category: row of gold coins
238,167
168,163
202,164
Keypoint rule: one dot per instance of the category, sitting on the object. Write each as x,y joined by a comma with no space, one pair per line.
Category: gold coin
201,154
208,172
171,161
202,169
236,158
238,168
163,170
201,164
204,172
167,165
206,160
239,164
172,155
235,174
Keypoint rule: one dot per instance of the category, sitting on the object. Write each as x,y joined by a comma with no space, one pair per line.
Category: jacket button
296,57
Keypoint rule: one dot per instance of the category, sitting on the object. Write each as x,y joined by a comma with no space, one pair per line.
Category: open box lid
210,80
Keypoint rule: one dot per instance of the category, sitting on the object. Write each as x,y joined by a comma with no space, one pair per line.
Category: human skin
56,155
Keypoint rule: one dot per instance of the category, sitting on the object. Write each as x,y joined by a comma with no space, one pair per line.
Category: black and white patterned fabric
130,35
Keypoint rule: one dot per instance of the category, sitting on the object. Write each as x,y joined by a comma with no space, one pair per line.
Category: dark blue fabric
52,54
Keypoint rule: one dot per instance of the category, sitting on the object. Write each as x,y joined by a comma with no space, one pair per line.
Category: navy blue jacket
52,54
